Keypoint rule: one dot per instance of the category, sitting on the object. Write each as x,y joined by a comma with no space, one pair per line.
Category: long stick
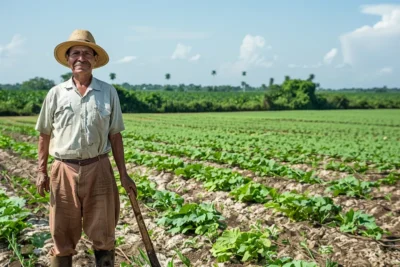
143,231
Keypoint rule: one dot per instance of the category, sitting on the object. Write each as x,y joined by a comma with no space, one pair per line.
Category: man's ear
96,58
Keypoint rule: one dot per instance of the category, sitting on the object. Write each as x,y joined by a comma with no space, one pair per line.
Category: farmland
284,188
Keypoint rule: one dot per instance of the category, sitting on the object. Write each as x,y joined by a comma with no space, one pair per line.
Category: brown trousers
83,196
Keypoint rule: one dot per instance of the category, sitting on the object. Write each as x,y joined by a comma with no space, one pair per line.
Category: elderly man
79,124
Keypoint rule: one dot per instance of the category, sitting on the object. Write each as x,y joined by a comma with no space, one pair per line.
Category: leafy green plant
352,187
163,200
391,179
254,192
12,215
325,249
202,219
16,248
300,207
38,239
223,180
360,223
119,241
247,246
140,260
145,188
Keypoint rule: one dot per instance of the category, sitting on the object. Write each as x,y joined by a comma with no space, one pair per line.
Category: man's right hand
42,183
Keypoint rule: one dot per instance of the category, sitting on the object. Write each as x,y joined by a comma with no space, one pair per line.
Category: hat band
83,40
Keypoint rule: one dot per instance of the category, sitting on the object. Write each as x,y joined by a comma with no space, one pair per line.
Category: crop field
289,188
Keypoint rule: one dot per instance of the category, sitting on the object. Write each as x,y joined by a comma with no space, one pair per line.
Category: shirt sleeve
116,121
44,123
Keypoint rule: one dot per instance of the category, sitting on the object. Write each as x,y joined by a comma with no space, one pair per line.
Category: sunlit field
308,188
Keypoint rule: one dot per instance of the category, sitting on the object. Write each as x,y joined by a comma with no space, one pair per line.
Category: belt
83,162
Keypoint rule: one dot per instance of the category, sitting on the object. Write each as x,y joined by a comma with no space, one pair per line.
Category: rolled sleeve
45,119
116,121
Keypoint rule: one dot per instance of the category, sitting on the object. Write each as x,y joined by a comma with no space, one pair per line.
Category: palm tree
167,77
113,76
214,73
271,82
244,73
311,77
66,76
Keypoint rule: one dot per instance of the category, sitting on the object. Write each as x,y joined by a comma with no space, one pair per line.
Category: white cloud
195,58
328,58
152,33
126,59
250,55
181,51
13,47
250,51
369,46
386,70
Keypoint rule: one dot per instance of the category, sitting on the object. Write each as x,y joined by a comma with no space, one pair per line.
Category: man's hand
128,184
42,183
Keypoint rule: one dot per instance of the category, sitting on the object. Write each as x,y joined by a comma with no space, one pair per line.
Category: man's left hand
128,184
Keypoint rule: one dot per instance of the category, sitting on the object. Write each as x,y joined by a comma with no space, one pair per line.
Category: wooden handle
143,231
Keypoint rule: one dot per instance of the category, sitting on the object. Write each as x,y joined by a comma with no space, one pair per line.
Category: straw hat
80,37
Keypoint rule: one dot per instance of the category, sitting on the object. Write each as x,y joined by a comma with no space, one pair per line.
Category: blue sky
344,43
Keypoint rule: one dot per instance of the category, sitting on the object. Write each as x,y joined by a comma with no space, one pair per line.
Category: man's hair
67,53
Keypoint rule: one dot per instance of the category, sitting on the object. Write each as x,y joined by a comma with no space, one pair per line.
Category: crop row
361,147
255,145
298,207
175,215
317,208
281,151
265,167
204,219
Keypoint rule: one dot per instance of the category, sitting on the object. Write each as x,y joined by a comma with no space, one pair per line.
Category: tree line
292,94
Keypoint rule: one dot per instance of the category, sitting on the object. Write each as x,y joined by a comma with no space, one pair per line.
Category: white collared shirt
79,125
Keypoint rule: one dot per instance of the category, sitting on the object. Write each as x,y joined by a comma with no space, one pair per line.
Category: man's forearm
118,152
43,150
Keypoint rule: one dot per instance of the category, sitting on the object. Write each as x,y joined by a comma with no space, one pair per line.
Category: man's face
81,59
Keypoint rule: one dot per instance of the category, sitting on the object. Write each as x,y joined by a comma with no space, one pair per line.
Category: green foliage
12,215
352,187
164,200
37,83
357,222
201,219
253,245
141,260
38,239
254,192
391,179
15,247
222,179
145,188
65,76
294,94
299,207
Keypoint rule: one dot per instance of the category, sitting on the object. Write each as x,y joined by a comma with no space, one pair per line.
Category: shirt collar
94,84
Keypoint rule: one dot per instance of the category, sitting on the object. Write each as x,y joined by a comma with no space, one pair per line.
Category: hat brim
61,50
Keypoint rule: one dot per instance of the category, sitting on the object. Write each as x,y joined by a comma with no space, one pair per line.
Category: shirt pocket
63,116
101,116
